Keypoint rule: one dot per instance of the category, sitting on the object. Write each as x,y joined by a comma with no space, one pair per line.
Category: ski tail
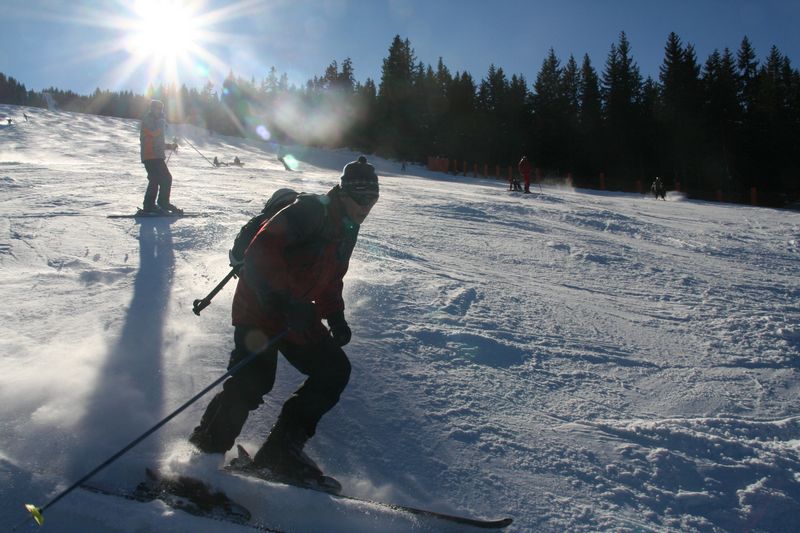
184,493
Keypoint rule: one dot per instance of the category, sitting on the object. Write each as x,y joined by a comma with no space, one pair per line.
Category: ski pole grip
199,305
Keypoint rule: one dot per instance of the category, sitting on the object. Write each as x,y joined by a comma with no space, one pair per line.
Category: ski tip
243,453
36,513
503,522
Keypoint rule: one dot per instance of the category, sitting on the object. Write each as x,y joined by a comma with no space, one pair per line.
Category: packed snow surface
577,360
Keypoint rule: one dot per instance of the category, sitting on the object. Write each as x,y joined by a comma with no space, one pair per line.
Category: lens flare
325,121
291,161
263,132
202,70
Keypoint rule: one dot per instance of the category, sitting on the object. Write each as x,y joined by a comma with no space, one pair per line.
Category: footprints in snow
467,343
460,301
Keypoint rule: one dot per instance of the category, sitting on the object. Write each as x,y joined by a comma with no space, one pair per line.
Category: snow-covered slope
577,360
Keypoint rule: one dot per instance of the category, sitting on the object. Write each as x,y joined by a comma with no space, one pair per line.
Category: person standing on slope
291,279
659,189
159,179
525,169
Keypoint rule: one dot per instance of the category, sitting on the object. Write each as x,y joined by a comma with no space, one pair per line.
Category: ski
142,214
185,494
482,523
195,497
240,466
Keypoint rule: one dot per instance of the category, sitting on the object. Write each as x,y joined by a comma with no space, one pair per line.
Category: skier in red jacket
525,169
291,280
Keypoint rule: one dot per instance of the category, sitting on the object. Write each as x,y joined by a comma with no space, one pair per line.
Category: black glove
340,331
236,261
300,316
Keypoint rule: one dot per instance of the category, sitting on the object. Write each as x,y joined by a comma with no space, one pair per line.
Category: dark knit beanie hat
359,179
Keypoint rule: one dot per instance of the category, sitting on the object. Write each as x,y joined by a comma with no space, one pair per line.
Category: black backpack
279,199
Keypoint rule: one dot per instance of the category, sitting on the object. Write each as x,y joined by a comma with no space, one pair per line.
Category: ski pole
199,305
38,512
175,142
199,152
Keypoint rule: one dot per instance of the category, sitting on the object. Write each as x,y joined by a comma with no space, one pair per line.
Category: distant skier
26,117
153,146
525,169
514,185
291,279
659,189
237,161
9,121
217,163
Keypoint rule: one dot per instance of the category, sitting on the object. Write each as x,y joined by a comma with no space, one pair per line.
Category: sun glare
164,30
154,43
170,40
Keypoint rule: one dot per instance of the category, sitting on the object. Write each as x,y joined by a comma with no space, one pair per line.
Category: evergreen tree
365,127
230,119
651,153
590,119
461,123
519,120
747,64
773,126
570,89
491,107
434,103
396,111
621,89
550,115
682,99
12,92
722,112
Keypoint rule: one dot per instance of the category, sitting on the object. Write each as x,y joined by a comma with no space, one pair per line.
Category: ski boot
152,211
282,459
312,479
171,209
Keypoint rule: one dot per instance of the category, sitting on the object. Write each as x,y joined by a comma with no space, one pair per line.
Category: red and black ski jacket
525,167
299,256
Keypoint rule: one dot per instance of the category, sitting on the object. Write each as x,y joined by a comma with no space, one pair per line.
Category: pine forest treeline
716,129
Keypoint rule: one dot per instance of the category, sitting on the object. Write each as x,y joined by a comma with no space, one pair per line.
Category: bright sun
164,41
165,30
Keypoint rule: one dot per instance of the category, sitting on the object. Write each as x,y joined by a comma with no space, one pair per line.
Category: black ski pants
325,364
159,183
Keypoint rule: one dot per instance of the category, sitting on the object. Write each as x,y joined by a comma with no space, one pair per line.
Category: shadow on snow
128,396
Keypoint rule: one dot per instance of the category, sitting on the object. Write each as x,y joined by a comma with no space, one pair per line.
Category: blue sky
77,44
